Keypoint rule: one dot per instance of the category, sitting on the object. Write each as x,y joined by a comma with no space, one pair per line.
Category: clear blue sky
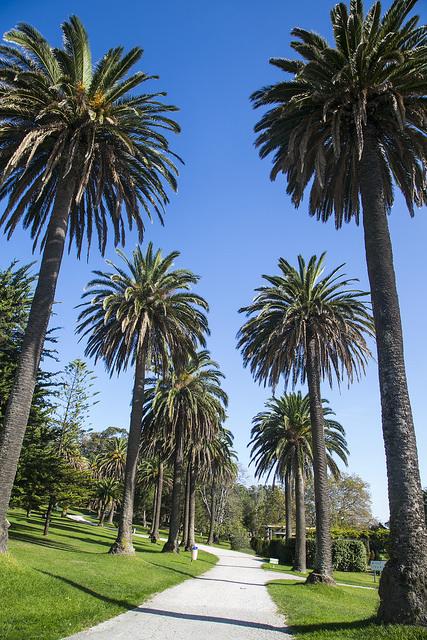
229,222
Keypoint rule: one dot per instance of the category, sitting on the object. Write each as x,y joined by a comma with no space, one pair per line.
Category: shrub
348,555
255,542
239,539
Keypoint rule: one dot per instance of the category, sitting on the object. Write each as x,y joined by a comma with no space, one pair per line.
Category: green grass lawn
52,587
335,613
346,577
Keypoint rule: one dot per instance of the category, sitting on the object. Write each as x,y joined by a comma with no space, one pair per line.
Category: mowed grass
52,587
335,613
358,579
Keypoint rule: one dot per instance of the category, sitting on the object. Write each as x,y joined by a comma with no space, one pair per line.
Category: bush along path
229,601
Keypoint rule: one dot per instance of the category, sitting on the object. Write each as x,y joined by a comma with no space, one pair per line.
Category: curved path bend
228,602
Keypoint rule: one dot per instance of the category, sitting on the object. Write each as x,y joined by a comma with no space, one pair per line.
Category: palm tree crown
281,437
299,305
62,118
148,304
371,84
192,395
111,462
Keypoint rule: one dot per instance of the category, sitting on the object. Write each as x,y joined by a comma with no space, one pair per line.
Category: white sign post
377,566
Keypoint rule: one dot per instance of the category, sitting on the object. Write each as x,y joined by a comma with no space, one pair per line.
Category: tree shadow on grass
99,596
175,570
27,534
43,542
337,627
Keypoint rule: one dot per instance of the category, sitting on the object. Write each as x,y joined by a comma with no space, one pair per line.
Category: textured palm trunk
159,492
48,515
212,519
19,402
192,510
123,544
171,545
323,561
288,505
300,563
184,541
403,585
153,512
111,514
102,516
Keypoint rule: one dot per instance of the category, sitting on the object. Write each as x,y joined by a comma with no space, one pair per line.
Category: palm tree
79,151
308,327
220,471
152,473
107,494
282,445
111,463
189,404
142,315
203,457
351,123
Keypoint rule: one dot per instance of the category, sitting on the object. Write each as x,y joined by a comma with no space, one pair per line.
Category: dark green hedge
347,555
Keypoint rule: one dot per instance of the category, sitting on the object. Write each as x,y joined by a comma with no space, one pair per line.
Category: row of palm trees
282,447
349,124
80,152
145,315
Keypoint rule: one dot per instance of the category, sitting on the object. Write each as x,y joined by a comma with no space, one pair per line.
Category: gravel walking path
228,602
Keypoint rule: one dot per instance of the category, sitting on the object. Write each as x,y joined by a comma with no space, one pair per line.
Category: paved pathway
228,602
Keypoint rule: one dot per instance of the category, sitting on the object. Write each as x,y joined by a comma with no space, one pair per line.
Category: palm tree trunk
159,493
19,402
102,516
192,511
212,519
153,511
123,543
323,561
403,585
300,563
111,514
48,515
288,505
175,518
184,541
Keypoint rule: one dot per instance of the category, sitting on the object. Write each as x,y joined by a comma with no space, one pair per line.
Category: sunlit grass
335,613
52,587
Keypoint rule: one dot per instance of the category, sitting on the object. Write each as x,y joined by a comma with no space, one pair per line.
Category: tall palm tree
158,452
282,445
307,326
351,123
141,315
80,151
220,471
190,405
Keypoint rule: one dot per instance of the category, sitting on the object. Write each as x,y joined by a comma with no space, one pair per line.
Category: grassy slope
335,613
353,578
52,587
